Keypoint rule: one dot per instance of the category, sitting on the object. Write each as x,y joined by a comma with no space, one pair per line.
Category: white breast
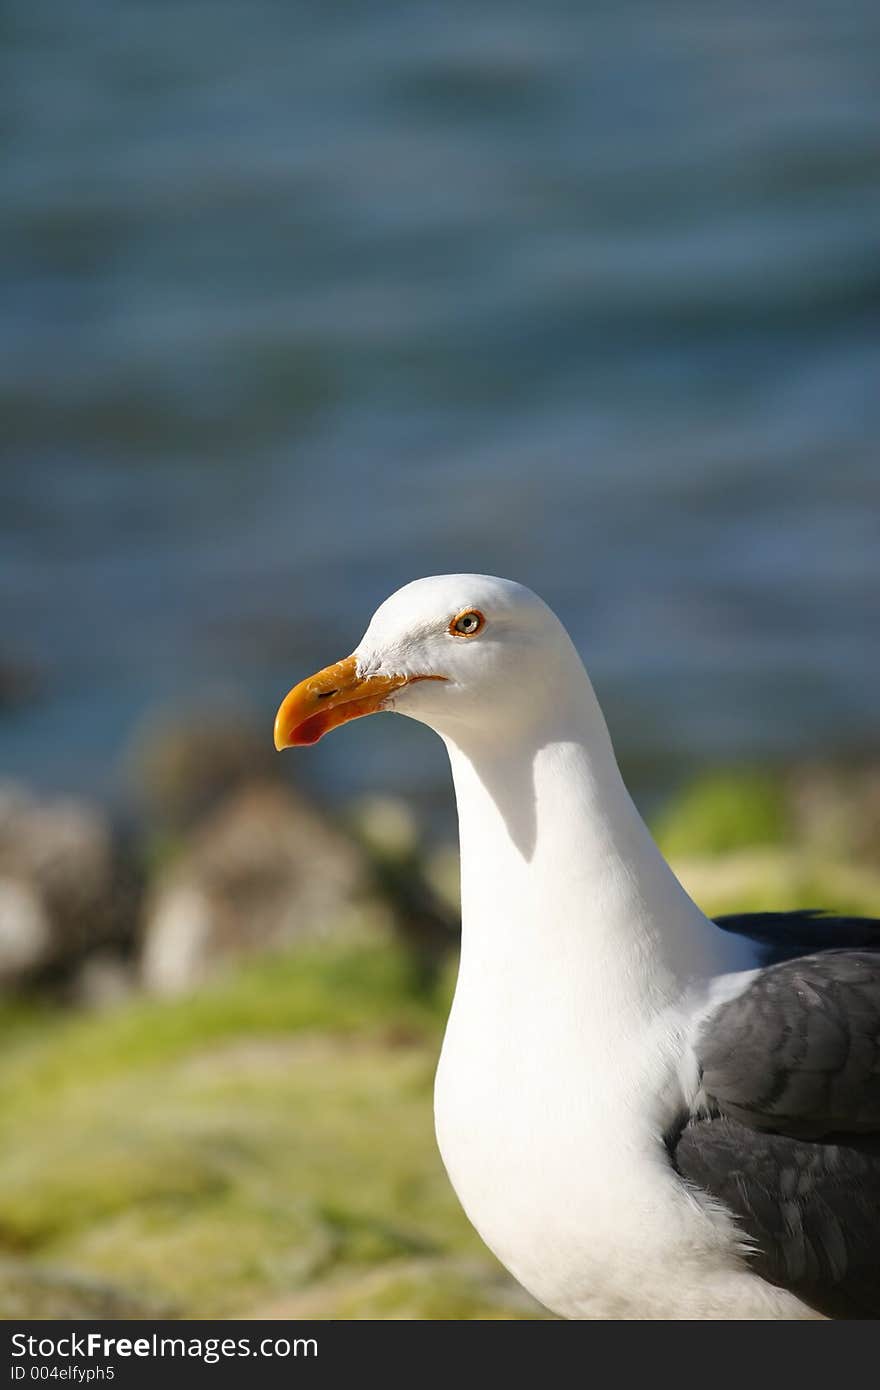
568,1053
575,1196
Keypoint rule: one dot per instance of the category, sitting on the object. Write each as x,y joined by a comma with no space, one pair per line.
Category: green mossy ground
265,1147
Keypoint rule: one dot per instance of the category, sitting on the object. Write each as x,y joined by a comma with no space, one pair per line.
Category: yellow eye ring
468,623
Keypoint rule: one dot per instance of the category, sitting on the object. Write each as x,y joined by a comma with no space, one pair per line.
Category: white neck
562,885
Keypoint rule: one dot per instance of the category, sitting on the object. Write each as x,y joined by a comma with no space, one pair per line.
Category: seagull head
453,651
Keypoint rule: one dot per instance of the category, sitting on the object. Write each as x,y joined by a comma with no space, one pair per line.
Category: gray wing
790,1141
811,1210
798,1051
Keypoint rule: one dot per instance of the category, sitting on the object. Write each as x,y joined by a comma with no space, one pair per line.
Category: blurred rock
62,881
264,870
443,873
426,920
837,808
187,767
385,826
25,933
103,981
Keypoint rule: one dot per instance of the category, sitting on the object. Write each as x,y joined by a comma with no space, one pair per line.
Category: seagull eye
467,624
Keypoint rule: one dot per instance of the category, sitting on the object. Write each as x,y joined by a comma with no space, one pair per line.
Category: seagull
645,1114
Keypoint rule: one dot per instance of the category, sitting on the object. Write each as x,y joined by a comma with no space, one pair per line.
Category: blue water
300,302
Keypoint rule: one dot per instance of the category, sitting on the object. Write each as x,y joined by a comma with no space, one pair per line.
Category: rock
426,920
836,809
265,870
386,827
186,768
442,870
61,879
103,981
25,933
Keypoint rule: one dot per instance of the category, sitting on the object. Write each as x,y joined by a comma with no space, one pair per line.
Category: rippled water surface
302,301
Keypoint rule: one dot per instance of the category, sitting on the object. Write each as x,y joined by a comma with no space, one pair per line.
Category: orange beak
330,698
